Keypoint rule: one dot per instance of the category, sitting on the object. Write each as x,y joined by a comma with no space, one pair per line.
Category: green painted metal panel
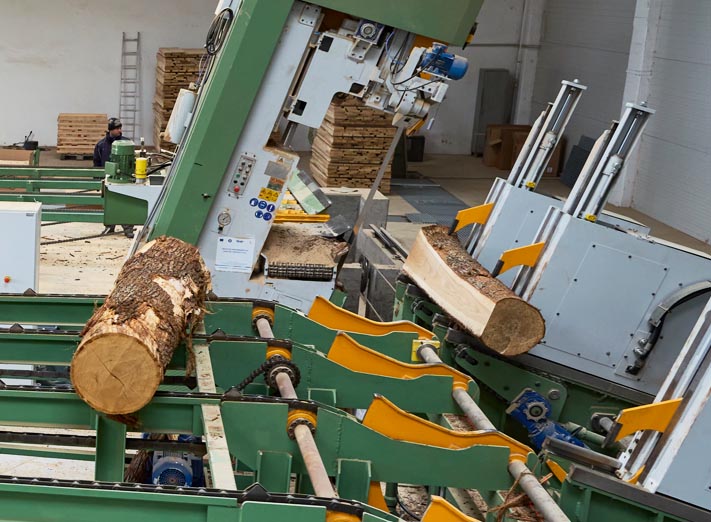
234,318
274,471
259,511
55,349
23,502
37,348
120,209
508,381
220,117
110,450
67,410
581,502
50,172
252,427
353,479
448,22
45,453
73,217
233,361
51,184
48,310
289,324
54,199
324,395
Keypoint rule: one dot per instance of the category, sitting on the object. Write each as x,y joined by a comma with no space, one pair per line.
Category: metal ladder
130,90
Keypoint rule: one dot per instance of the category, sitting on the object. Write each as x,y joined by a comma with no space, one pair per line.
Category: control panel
245,167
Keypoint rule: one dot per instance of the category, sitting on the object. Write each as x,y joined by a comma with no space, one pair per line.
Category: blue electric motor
532,410
442,63
174,468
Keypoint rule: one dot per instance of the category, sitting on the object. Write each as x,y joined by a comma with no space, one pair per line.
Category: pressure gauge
224,219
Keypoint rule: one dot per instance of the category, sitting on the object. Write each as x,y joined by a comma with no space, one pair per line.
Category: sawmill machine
280,370
233,165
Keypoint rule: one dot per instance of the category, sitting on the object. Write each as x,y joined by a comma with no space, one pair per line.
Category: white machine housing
19,253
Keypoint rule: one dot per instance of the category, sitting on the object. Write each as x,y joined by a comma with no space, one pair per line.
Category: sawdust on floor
86,266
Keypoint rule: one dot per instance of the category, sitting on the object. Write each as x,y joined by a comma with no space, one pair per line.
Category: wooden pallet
77,134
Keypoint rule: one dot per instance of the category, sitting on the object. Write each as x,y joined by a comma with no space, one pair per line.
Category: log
158,296
465,290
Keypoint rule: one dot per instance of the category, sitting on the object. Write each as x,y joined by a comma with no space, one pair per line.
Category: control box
19,246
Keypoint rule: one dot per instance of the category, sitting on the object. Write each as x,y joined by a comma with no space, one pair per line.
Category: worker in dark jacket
102,153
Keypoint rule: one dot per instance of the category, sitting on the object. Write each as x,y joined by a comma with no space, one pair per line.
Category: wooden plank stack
176,69
77,134
350,145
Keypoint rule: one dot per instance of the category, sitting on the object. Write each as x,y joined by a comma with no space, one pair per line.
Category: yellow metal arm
469,216
440,510
655,416
526,255
354,356
389,420
331,316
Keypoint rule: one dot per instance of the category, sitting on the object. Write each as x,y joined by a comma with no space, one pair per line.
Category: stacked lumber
175,69
350,145
77,134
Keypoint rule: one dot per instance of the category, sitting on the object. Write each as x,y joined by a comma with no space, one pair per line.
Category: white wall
495,46
65,56
673,178
588,40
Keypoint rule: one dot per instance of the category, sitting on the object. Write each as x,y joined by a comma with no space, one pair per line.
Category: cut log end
116,374
127,344
514,327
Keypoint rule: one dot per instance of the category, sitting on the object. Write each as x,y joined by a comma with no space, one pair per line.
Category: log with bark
157,298
465,290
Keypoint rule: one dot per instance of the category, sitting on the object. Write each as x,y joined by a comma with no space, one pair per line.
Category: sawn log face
482,304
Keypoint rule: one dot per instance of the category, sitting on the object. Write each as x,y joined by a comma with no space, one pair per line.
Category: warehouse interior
355,261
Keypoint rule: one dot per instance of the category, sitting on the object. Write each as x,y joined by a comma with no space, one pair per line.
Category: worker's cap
114,123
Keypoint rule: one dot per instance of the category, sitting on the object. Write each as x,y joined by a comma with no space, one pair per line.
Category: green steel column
110,450
225,104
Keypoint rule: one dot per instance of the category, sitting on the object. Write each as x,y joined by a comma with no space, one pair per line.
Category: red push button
7,279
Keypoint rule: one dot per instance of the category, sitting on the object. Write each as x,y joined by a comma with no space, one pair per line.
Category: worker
102,153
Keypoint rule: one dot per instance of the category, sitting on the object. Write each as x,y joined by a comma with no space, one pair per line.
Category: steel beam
50,172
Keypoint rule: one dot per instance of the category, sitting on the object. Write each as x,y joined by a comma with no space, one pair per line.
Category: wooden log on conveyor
158,297
466,291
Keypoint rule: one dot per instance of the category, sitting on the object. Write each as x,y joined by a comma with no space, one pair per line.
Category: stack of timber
77,134
469,294
176,69
351,144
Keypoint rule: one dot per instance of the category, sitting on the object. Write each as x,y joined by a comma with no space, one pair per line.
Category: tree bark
157,298
465,290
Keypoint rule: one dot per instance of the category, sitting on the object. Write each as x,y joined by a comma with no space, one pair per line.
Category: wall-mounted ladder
130,91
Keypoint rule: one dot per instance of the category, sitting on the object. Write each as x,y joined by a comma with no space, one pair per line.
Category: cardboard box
17,157
499,147
554,164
